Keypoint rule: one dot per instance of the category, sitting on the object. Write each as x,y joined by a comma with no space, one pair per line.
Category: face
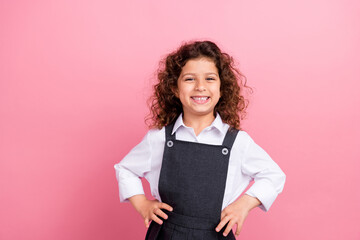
199,87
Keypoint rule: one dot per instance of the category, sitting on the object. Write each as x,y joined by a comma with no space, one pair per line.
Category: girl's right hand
149,209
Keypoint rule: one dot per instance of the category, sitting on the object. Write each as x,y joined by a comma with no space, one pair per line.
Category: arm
269,182
269,178
133,167
128,173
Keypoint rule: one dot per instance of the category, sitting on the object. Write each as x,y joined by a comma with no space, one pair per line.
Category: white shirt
247,162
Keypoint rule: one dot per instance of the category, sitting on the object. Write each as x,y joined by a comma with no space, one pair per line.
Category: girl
196,158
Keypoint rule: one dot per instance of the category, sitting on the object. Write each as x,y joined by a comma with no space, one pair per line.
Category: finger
238,229
160,213
156,219
223,213
222,223
147,224
228,228
166,206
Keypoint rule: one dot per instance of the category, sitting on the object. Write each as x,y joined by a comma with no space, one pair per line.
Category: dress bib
192,180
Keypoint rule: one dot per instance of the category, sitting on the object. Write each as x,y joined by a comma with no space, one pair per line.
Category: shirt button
225,151
169,143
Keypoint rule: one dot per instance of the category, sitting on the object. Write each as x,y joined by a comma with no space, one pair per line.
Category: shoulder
242,140
241,136
155,135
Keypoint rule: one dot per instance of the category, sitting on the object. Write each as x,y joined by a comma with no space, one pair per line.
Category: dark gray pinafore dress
192,180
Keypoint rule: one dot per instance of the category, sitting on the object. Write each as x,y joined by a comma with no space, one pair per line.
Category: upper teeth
200,98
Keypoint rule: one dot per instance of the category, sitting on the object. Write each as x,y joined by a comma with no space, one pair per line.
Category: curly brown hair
165,107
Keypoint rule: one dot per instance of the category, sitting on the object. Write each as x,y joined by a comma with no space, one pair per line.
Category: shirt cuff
265,192
129,187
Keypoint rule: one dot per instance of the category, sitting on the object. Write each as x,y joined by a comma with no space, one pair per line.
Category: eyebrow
208,73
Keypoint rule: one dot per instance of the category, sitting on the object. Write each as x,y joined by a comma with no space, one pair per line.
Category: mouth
200,99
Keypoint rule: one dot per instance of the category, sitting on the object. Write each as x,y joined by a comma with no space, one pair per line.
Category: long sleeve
269,178
132,167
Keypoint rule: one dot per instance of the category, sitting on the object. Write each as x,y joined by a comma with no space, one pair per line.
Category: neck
198,122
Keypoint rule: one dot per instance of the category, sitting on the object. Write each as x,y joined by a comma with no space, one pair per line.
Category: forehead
200,65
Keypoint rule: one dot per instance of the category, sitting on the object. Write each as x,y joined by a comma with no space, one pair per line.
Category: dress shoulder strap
168,131
230,137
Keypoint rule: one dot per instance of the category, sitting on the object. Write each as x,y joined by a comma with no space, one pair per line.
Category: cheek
184,90
216,91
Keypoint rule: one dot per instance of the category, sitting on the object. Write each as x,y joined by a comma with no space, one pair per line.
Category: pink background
75,76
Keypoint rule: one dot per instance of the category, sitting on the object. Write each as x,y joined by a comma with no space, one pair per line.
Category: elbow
282,180
119,171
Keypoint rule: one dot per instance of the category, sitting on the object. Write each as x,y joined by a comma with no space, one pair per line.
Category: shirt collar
217,123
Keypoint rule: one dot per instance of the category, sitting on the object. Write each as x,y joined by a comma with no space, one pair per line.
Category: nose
200,85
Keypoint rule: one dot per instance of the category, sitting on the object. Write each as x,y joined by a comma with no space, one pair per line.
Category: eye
210,78
189,79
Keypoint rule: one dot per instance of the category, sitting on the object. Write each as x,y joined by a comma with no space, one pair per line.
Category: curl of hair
165,107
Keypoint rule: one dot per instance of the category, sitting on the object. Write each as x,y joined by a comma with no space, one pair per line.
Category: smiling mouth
200,100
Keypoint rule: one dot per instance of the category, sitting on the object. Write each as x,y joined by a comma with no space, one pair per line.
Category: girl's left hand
236,213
